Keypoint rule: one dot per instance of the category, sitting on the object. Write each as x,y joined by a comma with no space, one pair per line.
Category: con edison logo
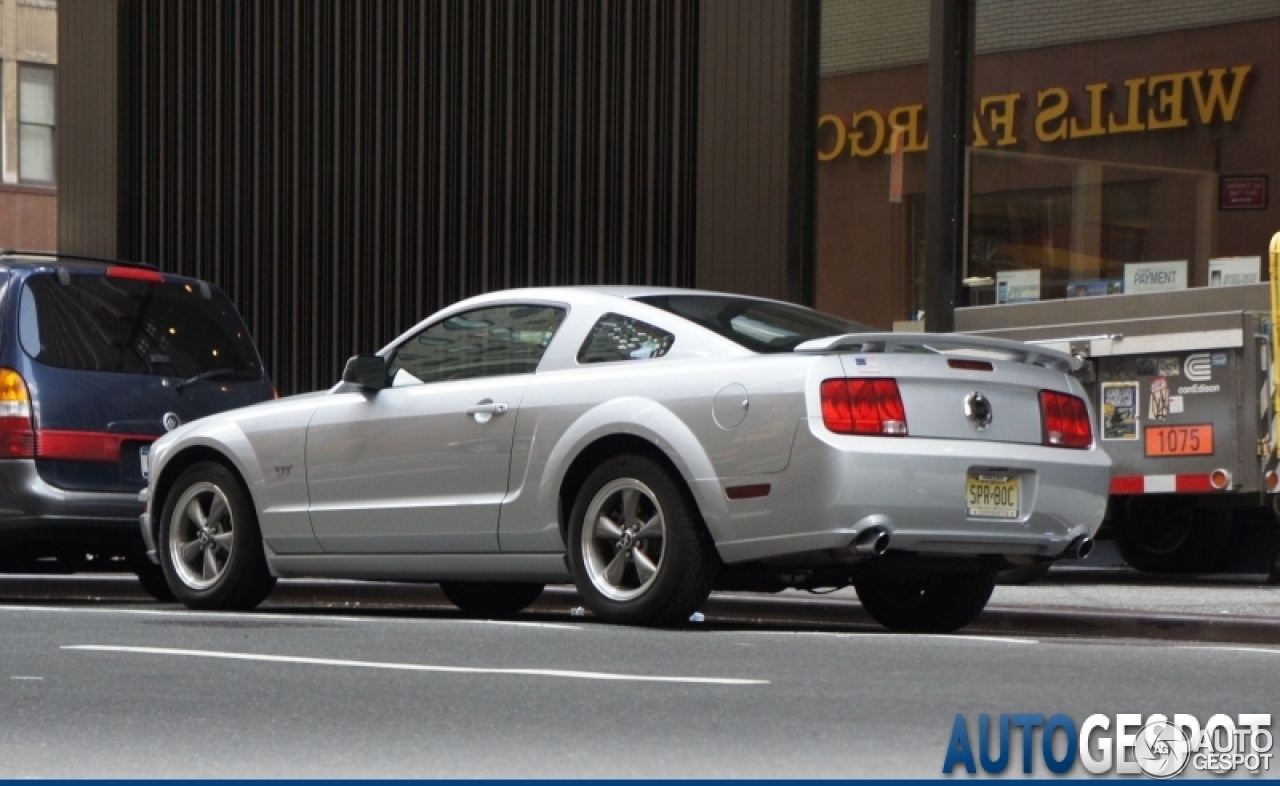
1126,744
1199,367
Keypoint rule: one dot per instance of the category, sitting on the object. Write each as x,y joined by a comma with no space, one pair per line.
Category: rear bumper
31,509
836,487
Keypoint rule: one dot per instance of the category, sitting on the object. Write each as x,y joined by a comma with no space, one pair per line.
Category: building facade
344,168
28,160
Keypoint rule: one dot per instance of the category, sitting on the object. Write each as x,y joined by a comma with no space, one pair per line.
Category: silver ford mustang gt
648,445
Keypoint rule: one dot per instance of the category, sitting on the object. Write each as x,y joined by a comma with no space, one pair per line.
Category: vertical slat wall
344,168
758,70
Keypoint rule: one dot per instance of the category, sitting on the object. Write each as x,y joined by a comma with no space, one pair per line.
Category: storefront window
1115,148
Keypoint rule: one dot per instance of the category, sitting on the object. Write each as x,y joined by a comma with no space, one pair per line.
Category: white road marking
34,679
1264,650
878,636
277,617
364,664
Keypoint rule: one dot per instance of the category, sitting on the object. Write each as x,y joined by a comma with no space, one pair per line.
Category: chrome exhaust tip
873,541
1080,548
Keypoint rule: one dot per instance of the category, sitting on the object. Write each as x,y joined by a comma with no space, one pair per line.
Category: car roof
595,293
33,261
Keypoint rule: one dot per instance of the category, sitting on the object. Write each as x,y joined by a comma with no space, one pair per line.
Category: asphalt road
122,688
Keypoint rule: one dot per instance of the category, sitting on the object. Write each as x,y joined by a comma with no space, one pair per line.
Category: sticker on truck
1119,410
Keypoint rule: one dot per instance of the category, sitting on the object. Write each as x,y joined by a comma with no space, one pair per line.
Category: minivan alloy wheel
202,535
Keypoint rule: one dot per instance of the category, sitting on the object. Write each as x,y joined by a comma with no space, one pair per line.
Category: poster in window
1017,286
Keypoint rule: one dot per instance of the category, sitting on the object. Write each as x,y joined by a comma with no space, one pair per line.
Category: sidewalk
1102,602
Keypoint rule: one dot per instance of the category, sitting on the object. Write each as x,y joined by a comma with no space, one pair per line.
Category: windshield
758,325
97,323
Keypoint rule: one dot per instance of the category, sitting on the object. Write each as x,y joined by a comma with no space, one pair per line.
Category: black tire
153,581
240,577
938,604
683,561
1168,535
491,598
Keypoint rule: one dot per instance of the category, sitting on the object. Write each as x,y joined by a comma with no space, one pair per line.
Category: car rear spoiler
946,344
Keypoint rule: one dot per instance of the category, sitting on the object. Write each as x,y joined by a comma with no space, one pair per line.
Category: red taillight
1066,420
17,436
135,274
863,406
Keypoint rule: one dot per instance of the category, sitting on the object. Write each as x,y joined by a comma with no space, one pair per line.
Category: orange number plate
1180,440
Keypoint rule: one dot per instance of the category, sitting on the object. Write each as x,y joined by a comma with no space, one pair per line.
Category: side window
487,342
616,337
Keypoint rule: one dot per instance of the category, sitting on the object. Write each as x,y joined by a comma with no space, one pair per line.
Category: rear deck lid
957,387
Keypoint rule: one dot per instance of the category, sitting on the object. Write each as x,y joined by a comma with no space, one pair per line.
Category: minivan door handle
485,410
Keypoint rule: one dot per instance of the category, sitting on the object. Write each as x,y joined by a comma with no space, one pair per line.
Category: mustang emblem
978,410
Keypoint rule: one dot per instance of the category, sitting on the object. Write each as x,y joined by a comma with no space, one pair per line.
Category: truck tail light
863,406
1066,420
17,435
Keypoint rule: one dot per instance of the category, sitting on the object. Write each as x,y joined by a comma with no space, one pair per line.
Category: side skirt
545,568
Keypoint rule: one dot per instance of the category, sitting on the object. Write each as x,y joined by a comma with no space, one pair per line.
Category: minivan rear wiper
218,373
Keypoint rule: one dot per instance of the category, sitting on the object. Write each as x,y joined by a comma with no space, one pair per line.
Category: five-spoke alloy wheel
638,549
622,539
209,543
201,536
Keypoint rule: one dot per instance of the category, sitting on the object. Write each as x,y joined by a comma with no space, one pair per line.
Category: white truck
1184,384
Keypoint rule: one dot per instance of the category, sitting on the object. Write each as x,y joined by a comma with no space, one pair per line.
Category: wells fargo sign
1147,103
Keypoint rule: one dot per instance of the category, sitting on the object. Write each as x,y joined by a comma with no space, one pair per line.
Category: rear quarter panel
670,402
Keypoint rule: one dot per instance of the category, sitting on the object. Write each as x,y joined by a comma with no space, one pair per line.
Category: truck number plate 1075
991,496
1180,440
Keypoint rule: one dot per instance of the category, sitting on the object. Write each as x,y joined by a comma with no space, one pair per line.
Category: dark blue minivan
97,359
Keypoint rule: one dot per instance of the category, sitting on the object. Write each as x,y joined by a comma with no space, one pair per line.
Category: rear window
758,325
96,323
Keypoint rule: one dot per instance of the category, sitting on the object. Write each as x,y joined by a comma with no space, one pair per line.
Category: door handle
487,408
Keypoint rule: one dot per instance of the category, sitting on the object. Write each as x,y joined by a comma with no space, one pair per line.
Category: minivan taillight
1065,419
863,406
17,436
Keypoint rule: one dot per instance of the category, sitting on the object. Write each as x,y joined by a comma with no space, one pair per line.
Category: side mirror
367,371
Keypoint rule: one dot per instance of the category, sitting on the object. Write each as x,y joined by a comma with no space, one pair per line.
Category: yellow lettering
1002,114
1059,101
877,122
838,145
1095,128
907,118
1133,118
1166,89
1217,98
978,139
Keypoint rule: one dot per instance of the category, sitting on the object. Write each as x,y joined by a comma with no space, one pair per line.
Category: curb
723,610
776,611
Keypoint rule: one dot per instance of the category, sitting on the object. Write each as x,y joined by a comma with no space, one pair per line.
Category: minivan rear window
759,325
97,323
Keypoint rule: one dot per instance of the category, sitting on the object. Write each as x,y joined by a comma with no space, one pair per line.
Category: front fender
265,445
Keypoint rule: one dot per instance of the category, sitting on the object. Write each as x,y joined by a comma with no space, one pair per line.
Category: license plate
1180,440
992,496
144,458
